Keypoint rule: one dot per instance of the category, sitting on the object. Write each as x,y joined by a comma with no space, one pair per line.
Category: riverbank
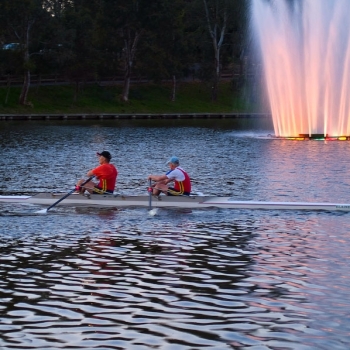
96,101
103,116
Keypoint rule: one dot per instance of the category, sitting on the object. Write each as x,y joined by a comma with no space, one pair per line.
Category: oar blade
43,211
153,212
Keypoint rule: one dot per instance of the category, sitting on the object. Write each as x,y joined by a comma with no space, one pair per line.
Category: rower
177,175
106,173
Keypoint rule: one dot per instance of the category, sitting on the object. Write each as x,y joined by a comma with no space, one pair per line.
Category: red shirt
107,175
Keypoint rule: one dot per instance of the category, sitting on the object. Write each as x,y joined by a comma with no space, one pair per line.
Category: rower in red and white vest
177,175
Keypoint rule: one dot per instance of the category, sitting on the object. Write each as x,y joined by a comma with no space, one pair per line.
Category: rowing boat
162,201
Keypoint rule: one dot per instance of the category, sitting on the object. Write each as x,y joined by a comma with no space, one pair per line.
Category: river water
90,278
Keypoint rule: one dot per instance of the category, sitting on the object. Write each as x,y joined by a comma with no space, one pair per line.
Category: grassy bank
144,98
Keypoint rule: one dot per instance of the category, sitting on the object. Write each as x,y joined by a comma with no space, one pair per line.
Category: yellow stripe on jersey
177,193
103,189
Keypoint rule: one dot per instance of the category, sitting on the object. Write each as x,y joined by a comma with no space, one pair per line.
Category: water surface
92,278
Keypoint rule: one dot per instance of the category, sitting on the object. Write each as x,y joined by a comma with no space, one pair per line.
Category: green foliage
82,40
146,98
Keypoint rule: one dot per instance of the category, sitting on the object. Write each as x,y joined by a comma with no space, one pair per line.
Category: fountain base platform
317,137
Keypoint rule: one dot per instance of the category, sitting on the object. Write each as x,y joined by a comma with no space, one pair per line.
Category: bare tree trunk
217,37
130,46
26,82
25,89
217,73
126,86
173,97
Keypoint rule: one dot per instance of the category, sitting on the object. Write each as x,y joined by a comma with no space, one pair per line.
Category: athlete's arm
157,177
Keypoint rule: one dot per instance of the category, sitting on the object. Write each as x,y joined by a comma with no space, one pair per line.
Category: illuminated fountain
305,50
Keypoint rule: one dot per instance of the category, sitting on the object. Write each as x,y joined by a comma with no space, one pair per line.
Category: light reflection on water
85,278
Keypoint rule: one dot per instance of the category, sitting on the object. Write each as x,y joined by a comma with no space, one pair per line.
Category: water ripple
86,278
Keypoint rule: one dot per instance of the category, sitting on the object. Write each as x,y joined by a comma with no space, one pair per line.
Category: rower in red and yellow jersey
182,181
105,173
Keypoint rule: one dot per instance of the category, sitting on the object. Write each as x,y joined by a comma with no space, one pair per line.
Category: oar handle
68,194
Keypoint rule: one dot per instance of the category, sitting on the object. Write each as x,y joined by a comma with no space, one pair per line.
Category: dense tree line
91,39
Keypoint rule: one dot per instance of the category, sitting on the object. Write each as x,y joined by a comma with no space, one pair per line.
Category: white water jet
305,51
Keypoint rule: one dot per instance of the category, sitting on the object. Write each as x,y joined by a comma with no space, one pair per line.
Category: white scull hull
193,202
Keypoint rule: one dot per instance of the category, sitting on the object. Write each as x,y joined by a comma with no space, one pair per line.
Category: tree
82,39
127,22
118,32
167,53
132,20
216,15
81,57
218,21
21,21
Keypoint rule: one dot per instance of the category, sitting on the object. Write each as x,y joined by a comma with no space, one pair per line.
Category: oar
64,197
150,192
